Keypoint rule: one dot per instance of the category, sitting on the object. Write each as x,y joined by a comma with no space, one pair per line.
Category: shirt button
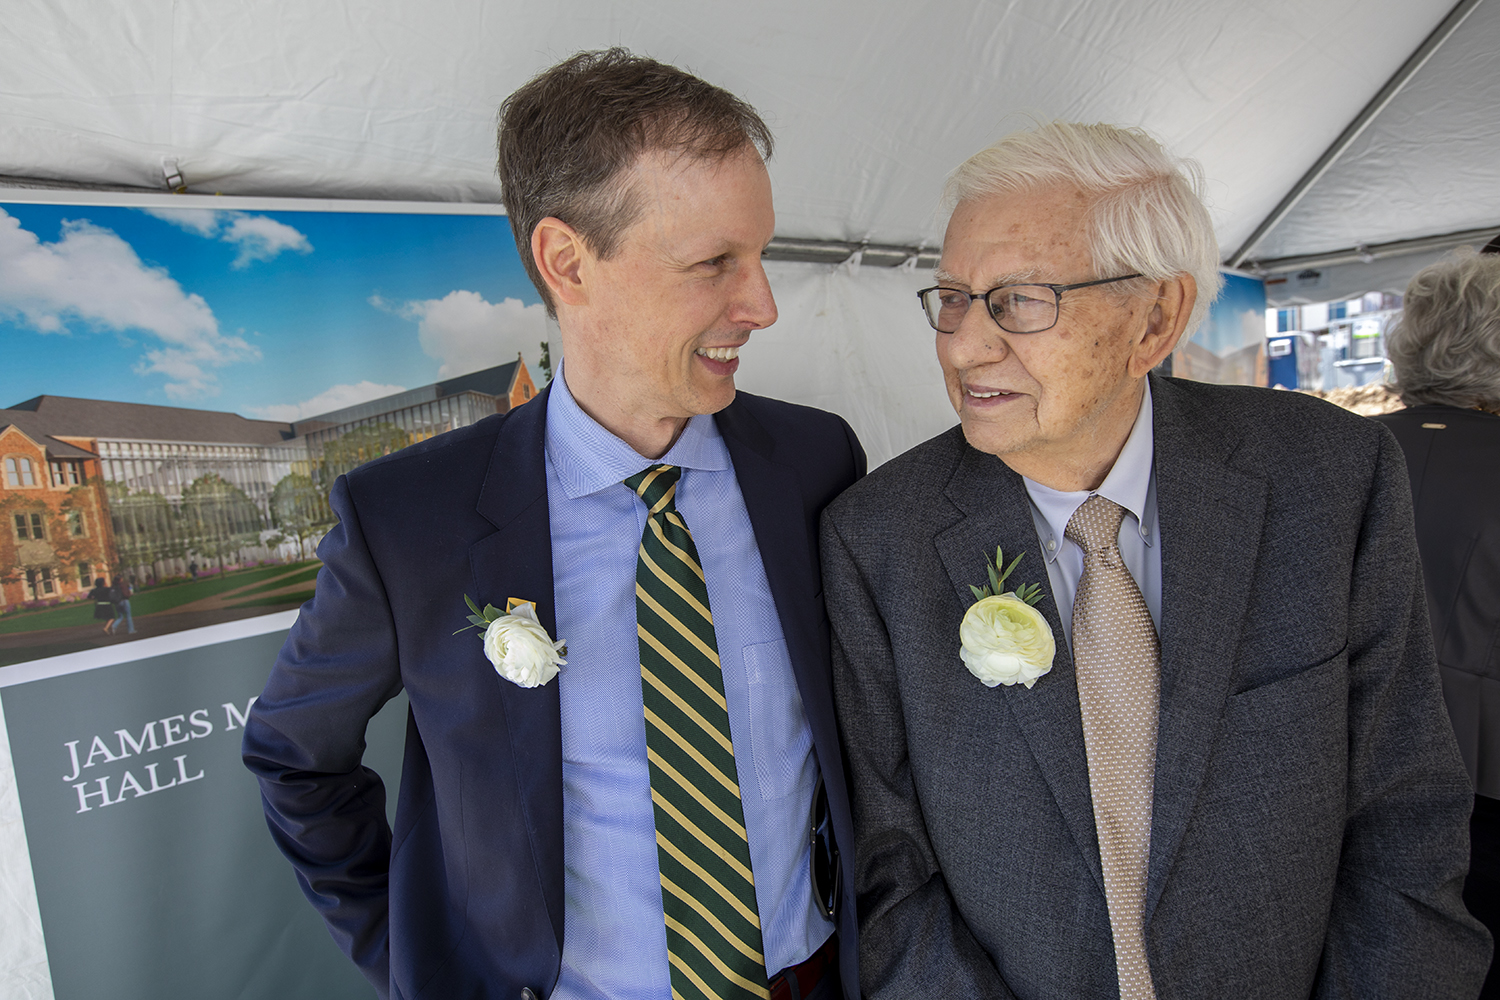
1051,545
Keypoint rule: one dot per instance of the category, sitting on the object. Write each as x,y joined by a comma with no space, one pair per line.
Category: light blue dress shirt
614,933
1131,483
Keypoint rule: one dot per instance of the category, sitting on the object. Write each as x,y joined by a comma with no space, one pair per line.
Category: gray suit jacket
1309,829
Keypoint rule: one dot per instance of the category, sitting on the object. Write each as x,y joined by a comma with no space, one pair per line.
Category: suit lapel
516,561
1211,518
997,511
773,499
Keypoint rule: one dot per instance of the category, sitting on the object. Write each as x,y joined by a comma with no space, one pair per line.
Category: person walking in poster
122,606
104,603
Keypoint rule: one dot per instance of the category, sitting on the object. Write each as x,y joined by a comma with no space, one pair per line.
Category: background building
1331,345
96,488
55,537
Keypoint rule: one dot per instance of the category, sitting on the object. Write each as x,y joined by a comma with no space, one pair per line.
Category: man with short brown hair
659,819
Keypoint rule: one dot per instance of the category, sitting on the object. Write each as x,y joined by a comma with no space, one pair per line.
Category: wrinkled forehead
1016,236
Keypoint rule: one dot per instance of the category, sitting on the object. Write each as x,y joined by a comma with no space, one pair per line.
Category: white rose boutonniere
516,643
1004,639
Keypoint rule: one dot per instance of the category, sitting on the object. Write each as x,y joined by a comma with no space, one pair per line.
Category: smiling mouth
986,393
719,353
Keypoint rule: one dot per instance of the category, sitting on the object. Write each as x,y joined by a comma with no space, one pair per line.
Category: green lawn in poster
178,892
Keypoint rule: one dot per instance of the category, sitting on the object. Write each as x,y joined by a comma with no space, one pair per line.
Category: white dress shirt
1131,483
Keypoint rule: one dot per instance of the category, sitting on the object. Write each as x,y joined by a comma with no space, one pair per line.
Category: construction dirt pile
1366,400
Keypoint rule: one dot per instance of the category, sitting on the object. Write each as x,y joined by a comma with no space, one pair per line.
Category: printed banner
1230,347
155,875
183,383
185,378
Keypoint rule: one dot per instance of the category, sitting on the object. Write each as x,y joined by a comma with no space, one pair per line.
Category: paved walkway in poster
17,647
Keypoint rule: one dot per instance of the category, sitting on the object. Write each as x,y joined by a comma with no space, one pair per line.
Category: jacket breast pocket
780,738
1288,699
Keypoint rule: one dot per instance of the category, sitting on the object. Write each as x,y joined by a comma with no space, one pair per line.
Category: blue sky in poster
1238,317
276,314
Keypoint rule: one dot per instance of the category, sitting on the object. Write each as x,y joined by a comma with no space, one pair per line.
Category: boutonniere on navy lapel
1004,639
516,643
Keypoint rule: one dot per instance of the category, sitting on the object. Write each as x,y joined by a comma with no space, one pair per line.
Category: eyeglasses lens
946,308
1017,308
1024,308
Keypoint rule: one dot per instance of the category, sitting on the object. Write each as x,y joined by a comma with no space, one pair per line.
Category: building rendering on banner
92,488
55,537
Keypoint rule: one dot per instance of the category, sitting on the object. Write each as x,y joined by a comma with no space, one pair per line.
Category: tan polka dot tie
1118,661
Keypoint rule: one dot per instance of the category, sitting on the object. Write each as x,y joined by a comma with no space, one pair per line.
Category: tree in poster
76,536
218,518
147,527
360,446
299,510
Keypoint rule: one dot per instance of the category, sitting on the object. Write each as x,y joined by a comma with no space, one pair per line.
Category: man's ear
560,253
1165,323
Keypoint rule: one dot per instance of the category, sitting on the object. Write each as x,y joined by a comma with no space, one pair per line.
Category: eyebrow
1026,277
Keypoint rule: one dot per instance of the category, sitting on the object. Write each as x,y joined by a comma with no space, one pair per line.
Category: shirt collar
1129,484
588,458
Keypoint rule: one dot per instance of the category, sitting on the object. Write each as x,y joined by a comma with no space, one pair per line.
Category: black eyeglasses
1016,308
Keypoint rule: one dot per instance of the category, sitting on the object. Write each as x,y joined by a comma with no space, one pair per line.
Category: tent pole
1408,69
1376,251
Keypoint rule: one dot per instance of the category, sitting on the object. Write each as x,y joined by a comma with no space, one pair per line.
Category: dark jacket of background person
1453,458
104,601
1446,356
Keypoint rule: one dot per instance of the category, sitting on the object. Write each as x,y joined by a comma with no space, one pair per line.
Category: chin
990,439
712,400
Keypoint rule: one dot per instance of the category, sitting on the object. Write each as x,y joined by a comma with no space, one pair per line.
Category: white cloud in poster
465,333
91,275
200,221
1229,331
335,397
258,237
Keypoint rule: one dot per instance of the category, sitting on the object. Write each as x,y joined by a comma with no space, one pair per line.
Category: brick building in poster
56,535
96,488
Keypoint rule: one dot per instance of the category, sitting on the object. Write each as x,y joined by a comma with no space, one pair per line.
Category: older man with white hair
1191,745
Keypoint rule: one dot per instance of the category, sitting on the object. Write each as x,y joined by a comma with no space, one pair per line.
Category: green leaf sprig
480,619
1028,592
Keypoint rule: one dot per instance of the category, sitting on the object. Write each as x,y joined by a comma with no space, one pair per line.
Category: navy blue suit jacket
464,898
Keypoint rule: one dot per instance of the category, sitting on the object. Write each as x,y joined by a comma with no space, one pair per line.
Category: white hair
1148,212
1446,347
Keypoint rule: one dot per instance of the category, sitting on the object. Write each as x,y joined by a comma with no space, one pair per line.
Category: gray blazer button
526,993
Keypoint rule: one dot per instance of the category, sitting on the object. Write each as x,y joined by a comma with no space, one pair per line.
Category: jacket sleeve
305,737
913,941
1397,926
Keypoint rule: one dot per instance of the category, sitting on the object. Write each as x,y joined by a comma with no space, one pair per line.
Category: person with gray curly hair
1446,354
1182,735
1446,347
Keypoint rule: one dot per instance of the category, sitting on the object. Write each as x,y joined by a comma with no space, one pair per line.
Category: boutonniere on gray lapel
516,643
1004,640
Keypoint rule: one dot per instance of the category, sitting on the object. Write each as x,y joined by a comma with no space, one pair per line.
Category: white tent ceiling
873,102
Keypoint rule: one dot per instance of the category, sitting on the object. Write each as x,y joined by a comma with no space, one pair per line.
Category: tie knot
657,486
1095,526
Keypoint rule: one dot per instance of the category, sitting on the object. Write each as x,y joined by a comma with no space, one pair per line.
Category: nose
978,340
755,306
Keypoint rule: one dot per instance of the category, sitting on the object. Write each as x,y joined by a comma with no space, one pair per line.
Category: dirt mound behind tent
1366,400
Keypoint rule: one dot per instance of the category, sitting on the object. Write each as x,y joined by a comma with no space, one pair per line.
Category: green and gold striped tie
707,889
